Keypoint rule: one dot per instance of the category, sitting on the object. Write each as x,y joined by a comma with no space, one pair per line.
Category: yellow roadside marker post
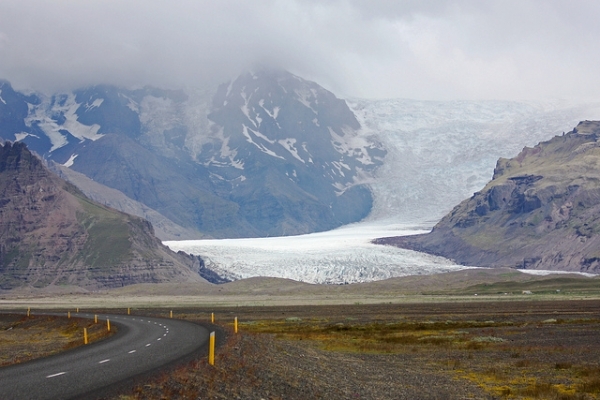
85,336
95,318
171,314
235,325
77,309
108,324
128,311
68,314
28,311
212,318
211,349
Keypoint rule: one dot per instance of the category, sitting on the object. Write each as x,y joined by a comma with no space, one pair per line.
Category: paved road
142,344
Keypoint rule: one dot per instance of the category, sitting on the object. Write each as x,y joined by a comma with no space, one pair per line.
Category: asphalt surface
142,344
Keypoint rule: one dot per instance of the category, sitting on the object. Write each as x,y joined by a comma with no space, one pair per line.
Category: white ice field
343,255
439,153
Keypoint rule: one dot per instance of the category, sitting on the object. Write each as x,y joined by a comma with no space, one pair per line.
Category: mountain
266,154
182,159
164,228
541,210
52,235
292,153
441,152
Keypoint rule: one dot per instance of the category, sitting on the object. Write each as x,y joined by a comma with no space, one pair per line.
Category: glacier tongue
343,255
438,153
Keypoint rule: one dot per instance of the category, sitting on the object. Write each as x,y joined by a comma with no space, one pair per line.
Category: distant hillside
164,228
51,234
540,211
266,154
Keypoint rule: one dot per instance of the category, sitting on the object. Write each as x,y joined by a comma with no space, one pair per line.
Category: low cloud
428,50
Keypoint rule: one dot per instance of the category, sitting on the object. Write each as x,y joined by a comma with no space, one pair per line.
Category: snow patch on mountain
96,103
70,161
273,114
306,97
48,114
22,135
353,144
290,145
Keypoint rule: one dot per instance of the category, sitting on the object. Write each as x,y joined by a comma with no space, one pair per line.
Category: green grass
556,286
108,241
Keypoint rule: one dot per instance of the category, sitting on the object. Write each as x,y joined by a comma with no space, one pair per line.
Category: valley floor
516,350
442,347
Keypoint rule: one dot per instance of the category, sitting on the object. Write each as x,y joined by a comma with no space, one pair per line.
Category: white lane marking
58,374
165,335
132,351
104,361
158,338
148,344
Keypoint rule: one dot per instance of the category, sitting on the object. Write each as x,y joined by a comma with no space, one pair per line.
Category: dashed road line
149,344
132,351
55,375
104,361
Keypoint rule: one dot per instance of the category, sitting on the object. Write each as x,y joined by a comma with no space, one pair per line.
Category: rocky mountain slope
51,234
541,210
164,228
265,154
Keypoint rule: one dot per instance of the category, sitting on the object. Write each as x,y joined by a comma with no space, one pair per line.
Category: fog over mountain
435,50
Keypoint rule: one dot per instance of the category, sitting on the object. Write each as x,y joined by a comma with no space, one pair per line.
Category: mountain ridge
51,234
269,154
539,211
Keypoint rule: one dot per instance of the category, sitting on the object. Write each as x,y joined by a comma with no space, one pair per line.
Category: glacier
340,256
438,153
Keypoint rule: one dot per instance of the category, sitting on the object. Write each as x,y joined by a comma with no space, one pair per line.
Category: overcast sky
435,49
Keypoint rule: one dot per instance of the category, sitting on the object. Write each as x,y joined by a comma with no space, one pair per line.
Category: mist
435,50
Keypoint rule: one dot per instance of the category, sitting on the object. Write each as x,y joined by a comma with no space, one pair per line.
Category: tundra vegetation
478,350
24,338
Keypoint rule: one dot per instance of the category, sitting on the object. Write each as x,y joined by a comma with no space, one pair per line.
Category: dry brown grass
24,338
486,351
534,350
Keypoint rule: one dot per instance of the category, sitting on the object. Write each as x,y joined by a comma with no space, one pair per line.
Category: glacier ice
438,153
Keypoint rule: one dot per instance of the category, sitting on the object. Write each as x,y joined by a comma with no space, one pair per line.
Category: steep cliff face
50,234
540,211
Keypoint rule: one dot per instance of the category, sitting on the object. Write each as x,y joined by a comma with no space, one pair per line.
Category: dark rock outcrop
540,211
